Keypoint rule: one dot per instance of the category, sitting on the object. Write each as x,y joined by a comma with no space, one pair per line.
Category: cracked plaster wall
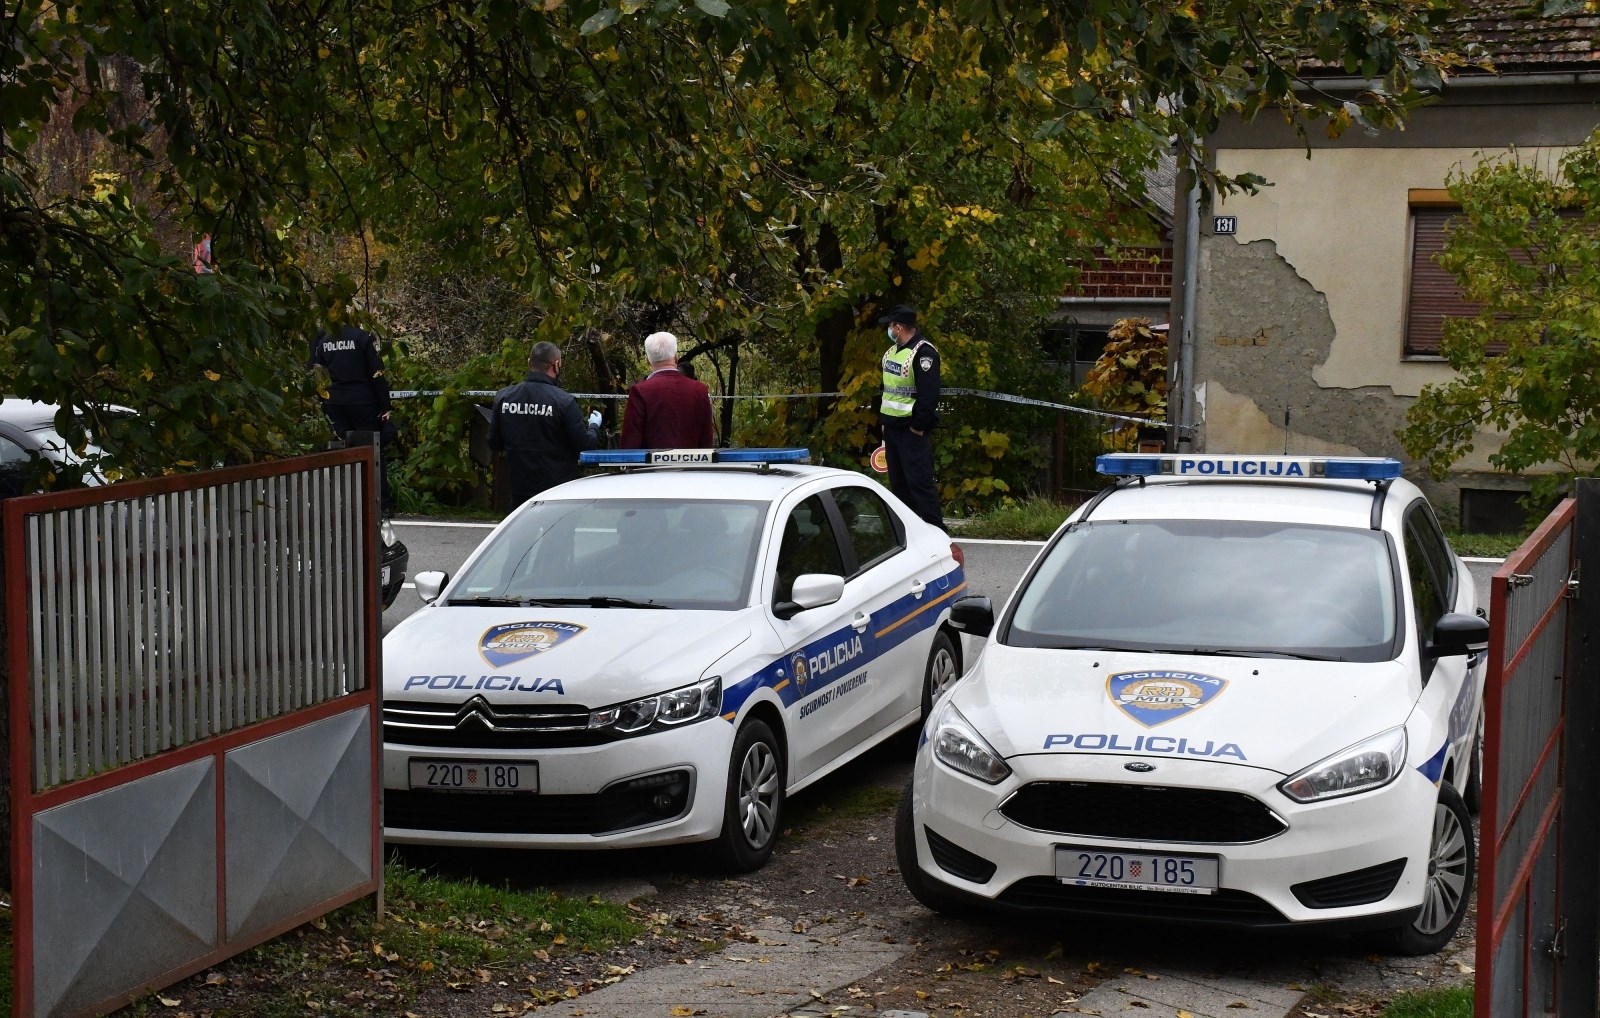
1304,306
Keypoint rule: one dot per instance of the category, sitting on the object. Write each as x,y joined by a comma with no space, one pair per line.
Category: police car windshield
609,552
1213,587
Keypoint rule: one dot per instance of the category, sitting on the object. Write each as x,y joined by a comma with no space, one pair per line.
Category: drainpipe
1183,384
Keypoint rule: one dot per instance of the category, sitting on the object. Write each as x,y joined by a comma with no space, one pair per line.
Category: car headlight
664,710
957,745
386,531
1361,768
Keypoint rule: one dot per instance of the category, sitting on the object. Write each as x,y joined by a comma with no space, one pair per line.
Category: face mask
892,337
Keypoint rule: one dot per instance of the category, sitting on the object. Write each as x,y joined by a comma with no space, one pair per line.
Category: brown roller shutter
1434,293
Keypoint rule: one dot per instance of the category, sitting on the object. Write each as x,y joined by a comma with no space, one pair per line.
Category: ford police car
1230,690
661,654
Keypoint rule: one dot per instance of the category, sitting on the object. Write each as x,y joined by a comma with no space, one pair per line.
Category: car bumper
1370,849
666,788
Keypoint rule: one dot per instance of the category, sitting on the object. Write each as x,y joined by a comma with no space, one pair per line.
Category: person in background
539,427
358,392
908,411
202,255
667,409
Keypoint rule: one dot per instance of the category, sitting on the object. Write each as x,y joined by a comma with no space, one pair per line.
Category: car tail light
957,554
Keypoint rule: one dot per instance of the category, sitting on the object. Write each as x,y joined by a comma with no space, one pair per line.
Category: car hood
1275,713
585,656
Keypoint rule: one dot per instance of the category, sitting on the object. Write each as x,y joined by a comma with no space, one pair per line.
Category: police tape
1003,397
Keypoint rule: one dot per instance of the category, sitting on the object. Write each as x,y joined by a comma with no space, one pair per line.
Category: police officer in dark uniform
358,392
908,411
540,428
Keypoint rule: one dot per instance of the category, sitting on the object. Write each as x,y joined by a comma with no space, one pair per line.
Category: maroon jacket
668,410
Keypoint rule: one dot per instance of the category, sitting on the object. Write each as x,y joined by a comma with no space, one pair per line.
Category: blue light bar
764,455
1254,468
690,457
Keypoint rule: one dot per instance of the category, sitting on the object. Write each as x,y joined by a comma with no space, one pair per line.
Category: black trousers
911,471
348,417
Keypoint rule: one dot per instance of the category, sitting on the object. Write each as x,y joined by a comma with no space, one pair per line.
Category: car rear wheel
1451,863
941,672
753,809
905,854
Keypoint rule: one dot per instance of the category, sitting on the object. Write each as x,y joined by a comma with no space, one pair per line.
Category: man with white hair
668,409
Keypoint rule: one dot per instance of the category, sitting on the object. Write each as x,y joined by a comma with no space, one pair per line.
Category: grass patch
1484,545
437,933
847,803
1454,1002
1032,520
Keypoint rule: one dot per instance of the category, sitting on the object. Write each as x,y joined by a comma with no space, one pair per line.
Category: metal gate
192,666
1537,881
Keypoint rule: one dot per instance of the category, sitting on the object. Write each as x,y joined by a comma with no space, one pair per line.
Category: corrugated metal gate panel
1520,857
193,708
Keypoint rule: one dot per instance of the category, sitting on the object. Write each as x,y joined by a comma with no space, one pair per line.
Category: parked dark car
393,558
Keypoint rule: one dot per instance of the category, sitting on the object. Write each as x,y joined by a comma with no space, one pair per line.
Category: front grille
1142,813
957,861
1225,907
1358,887
478,724
623,806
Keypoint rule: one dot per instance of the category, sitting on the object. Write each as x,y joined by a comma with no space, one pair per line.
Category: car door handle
861,622
917,587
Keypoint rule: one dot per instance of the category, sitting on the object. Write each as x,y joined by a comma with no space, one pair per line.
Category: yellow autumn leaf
213,376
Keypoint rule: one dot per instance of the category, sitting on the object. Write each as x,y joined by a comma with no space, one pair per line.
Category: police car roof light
691,457
1234,467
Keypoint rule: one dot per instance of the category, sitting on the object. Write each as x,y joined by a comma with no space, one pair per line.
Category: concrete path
778,973
1167,995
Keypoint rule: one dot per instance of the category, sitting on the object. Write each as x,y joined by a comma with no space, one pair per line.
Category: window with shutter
1434,294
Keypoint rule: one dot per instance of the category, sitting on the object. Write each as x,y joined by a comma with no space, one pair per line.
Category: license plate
383,577
1081,866
475,776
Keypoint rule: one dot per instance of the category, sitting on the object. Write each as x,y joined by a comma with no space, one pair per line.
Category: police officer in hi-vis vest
908,412
539,427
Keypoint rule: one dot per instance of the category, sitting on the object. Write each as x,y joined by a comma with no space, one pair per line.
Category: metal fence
1520,909
192,666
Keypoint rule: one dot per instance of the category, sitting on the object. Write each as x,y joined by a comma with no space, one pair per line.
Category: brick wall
1137,272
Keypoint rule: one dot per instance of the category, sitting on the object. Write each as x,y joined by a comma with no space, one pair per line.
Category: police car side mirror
973,615
811,590
429,584
1457,633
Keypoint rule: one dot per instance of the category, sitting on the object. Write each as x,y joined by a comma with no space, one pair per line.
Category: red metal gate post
1578,963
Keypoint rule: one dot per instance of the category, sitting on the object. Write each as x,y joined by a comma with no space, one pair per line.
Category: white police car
1230,690
660,655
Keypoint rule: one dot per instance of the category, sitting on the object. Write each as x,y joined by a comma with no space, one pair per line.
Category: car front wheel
905,855
753,809
1451,863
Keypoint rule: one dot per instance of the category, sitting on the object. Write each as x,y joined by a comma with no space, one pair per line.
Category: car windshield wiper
601,601
1231,652
486,601
1093,646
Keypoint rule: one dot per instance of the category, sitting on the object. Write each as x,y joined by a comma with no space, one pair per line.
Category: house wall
1302,310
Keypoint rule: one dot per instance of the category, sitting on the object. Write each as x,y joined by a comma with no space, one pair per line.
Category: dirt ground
838,868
